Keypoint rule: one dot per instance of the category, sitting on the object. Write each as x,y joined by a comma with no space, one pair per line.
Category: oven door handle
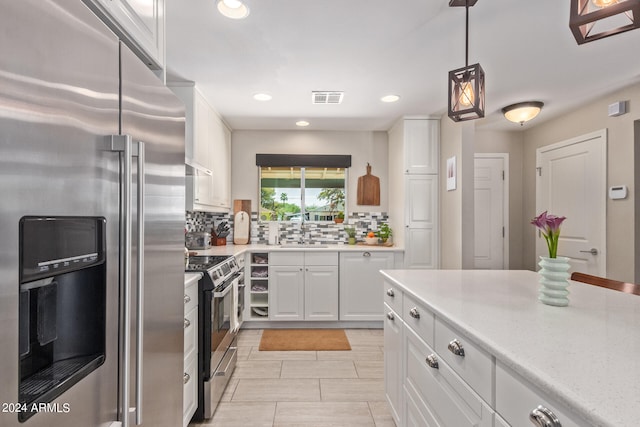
225,291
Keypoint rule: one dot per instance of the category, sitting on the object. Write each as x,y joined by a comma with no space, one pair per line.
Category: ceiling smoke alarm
327,97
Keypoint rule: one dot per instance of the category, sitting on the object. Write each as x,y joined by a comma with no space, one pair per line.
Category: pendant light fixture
591,20
522,111
466,85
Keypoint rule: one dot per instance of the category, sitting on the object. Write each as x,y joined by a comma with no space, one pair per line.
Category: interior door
491,216
572,182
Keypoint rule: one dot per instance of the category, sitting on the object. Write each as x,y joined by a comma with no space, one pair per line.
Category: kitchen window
314,192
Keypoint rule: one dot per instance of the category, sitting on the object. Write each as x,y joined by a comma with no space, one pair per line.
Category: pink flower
549,225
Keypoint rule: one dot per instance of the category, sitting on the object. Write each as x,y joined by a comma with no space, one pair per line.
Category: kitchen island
581,362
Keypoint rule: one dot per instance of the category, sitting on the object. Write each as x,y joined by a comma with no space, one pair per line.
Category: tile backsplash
312,232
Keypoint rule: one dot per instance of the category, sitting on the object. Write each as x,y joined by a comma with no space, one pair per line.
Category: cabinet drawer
475,367
418,318
190,389
393,297
437,391
286,258
516,398
191,332
321,258
190,297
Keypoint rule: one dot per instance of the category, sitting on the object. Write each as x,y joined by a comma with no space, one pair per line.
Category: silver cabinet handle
366,254
187,299
390,316
543,417
391,293
187,323
414,313
140,278
592,251
185,378
432,361
455,347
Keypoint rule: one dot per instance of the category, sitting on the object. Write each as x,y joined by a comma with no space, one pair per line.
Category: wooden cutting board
241,223
369,189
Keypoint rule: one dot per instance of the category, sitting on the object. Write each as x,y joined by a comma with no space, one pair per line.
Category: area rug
304,339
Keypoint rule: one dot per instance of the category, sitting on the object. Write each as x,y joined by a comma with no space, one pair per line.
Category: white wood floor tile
323,414
352,390
258,369
281,355
318,369
277,390
382,414
250,414
370,368
356,353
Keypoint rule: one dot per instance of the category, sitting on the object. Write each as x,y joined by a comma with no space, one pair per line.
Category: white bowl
371,240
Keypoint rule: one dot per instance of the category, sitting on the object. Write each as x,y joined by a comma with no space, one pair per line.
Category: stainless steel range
218,328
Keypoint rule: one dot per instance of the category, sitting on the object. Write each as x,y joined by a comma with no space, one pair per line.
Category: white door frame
602,134
505,199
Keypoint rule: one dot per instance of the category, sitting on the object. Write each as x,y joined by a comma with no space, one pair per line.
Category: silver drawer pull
185,378
390,316
367,254
543,417
414,313
187,323
390,293
456,348
432,361
187,298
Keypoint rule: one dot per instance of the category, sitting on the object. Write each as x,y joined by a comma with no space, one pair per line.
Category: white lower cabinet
516,400
361,284
393,327
303,286
190,363
440,394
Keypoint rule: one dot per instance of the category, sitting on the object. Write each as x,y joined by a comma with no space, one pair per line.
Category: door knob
592,251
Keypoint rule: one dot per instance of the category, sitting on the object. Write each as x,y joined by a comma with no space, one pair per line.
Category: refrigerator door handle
128,149
140,279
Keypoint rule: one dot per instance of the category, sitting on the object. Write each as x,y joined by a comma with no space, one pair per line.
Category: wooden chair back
616,285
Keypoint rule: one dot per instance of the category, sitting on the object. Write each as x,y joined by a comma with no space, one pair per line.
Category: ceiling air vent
326,97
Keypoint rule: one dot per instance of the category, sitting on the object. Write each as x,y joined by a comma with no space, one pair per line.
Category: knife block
218,241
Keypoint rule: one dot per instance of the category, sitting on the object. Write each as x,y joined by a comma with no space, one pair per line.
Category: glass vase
554,280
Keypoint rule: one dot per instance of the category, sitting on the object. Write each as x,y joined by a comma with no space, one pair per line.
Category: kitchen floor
306,388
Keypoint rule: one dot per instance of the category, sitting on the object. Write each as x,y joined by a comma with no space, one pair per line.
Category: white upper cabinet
139,23
207,152
421,146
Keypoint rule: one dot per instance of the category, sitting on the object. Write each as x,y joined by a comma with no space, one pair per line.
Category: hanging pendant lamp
466,85
591,20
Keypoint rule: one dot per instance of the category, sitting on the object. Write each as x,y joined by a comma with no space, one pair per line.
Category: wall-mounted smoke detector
326,97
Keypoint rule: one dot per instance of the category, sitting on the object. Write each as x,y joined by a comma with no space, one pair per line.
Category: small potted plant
339,219
384,233
351,232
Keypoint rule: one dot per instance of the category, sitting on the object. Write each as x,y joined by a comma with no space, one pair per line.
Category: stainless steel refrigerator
91,226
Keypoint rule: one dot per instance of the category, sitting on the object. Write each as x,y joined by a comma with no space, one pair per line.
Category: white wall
363,146
593,116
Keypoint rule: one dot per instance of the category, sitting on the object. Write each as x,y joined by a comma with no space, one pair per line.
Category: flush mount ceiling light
390,98
466,85
591,20
262,97
233,9
302,123
522,111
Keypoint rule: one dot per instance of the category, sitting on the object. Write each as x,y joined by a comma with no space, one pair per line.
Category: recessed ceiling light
302,123
262,97
233,9
390,98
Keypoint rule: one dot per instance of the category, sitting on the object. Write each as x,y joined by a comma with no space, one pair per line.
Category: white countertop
239,249
190,278
586,355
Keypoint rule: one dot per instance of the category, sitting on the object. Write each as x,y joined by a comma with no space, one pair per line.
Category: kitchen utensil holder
218,241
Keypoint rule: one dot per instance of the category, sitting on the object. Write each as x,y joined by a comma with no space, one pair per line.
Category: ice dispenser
62,304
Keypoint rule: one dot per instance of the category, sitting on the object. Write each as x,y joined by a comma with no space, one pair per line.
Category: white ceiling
371,48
